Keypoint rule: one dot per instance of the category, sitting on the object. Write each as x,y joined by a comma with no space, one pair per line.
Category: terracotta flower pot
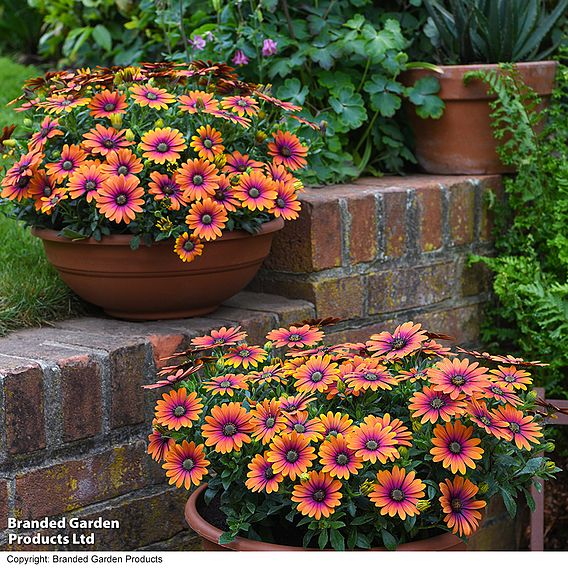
210,535
461,141
152,283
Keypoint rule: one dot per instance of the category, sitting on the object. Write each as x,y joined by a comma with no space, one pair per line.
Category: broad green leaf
227,537
293,91
102,36
388,540
336,539
323,539
510,503
350,107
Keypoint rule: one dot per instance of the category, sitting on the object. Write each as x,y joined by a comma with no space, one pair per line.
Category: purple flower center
151,96
47,191
371,445
122,170
456,504
90,185
332,433
109,143
295,337
162,147
229,429
485,420
458,380
437,403
188,246
268,473
180,410
370,377
206,219
397,495
292,456
67,165
316,376
280,203
109,107
342,459
398,343
188,464
225,384
300,428
285,151
496,390
253,192
319,495
514,427
197,179
455,447
269,423
244,353
121,199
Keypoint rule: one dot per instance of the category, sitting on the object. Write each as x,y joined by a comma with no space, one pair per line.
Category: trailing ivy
530,313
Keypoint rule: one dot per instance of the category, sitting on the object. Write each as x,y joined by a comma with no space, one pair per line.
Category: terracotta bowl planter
152,283
461,141
210,535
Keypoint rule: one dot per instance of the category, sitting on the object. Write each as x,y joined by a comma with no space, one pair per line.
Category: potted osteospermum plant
185,159
392,443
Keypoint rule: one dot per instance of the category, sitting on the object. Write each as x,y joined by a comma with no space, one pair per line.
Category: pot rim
122,240
471,66
211,533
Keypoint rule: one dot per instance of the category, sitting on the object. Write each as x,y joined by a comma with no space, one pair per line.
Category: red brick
3,503
363,228
461,323
462,204
24,404
287,310
313,241
256,324
475,279
429,201
66,486
398,289
165,345
394,205
128,372
489,185
82,399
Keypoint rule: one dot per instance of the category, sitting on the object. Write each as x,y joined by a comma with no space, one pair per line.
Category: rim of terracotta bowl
211,533
121,240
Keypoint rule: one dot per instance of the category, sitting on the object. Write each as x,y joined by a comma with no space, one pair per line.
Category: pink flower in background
240,58
198,43
269,47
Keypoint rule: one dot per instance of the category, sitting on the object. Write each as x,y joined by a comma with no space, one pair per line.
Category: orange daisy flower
261,476
457,501
186,464
188,247
198,178
334,424
241,105
286,203
523,428
454,446
163,145
207,219
71,159
164,187
228,427
102,140
455,377
208,142
372,443
338,459
267,420
107,103
511,376
256,191
318,496
290,454
225,384
245,356
120,199
86,180
178,409
152,97
122,163
287,150
406,340
397,492
300,423
316,374
198,101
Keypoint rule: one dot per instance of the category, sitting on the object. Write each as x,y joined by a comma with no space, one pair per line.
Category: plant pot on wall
210,534
151,282
462,141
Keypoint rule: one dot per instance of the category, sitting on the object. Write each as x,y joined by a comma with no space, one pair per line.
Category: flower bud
366,487
28,122
159,123
10,143
235,180
267,346
549,447
403,451
116,120
220,364
220,160
261,137
261,114
129,135
416,425
304,476
483,488
531,396
550,467
423,505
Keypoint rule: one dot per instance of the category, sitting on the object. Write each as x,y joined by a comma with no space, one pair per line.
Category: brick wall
74,419
382,251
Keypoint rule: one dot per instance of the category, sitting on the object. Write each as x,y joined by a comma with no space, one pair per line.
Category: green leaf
292,90
423,94
337,540
323,539
227,537
532,466
510,503
350,109
102,36
388,540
